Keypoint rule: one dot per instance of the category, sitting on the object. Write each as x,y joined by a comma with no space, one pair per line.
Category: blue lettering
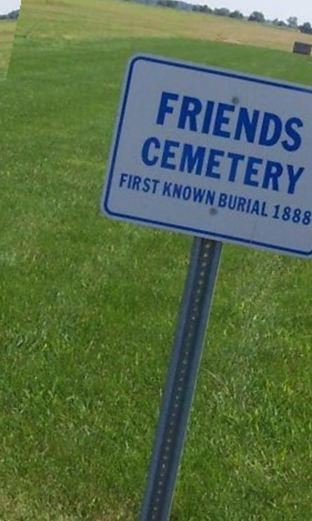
222,200
187,193
123,179
247,124
136,182
191,160
293,178
293,134
167,189
255,207
190,109
208,117
177,190
222,120
199,194
213,162
146,185
232,202
168,153
236,158
164,107
271,130
241,204
251,171
273,172
210,197
146,151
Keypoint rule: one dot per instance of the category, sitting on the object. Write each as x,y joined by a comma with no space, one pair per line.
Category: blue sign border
216,72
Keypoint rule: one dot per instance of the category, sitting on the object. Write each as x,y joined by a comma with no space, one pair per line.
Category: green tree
306,28
236,14
256,16
222,11
292,22
202,9
205,9
168,3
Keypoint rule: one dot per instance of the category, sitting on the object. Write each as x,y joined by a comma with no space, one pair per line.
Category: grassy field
88,306
69,19
7,33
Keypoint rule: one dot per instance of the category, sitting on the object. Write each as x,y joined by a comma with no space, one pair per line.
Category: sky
6,6
270,8
281,9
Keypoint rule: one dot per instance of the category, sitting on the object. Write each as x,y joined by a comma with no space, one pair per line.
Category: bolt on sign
213,153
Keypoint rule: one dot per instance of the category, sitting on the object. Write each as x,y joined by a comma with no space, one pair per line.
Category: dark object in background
302,48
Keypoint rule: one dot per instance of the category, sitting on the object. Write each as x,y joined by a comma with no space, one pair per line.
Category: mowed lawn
7,33
88,306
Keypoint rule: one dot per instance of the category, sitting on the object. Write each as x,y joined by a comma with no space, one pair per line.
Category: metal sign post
181,380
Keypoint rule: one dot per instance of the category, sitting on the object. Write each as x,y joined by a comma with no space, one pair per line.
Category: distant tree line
306,28
255,16
13,15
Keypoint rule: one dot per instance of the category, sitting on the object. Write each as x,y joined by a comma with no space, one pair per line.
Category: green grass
88,308
7,32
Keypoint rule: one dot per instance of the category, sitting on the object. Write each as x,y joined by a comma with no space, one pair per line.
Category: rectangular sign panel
215,154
